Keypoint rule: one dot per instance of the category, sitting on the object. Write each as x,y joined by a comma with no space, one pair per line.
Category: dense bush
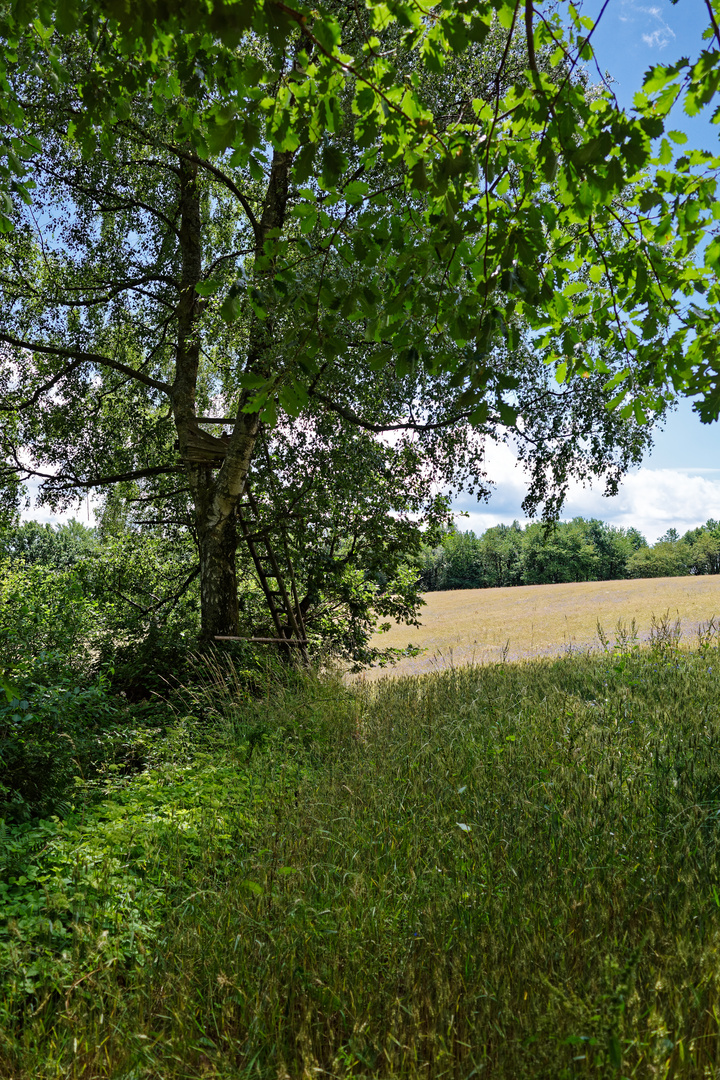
61,546
151,664
665,559
64,708
52,734
48,622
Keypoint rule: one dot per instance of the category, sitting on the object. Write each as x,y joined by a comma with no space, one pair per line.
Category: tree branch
42,389
87,358
713,20
529,36
138,474
224,179
354,418
114,290
67,482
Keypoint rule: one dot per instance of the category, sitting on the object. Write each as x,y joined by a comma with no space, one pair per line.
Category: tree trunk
218,577
216,497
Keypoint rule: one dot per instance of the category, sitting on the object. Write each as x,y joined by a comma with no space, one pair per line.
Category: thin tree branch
137,474
713,20
42,389
67,482
130,284
529,36
160,496
87,358
354,418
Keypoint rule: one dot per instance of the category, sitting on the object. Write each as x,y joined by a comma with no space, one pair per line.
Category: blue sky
678,483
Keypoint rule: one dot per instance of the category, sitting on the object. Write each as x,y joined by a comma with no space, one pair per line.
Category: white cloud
659,37
651,500
83,511
654,30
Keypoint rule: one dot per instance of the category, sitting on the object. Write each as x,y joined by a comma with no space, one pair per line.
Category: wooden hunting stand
272,561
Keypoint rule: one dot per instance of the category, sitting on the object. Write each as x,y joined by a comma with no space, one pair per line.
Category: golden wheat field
483,625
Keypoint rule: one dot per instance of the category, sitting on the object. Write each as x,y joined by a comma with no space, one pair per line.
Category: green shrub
93,891
150,664
48,623
666,559
49,735
61,546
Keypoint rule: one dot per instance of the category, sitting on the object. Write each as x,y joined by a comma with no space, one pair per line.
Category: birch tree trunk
216,496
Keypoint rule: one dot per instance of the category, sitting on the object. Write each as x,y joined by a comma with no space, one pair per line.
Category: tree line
578,550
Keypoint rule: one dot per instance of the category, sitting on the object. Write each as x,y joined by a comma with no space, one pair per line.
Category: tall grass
508,871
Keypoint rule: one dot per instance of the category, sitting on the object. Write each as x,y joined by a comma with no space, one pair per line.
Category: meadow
501,870
464,626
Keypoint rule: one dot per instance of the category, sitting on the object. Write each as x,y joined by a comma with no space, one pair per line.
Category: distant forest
577,550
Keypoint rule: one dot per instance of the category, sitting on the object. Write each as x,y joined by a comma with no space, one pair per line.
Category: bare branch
114,290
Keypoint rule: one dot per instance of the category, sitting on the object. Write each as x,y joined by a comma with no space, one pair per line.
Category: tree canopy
416,219
483,166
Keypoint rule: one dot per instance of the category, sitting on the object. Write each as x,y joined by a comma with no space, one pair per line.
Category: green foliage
61,715
509,869
662,560
91,892
625,213
322,245
150,665
356,606
577,550
48,622
51,735
60,546
66,608
146,578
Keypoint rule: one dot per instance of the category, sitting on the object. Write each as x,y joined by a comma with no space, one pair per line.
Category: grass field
481,625
505,871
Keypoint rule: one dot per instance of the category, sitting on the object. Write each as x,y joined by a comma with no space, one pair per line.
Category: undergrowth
508,871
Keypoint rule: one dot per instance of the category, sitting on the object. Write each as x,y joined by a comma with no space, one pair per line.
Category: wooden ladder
283,603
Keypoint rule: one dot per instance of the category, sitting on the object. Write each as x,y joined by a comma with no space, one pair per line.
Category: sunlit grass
502,871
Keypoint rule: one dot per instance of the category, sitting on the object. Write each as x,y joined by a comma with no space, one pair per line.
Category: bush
51,734
48,625
150,665
62,546
666,559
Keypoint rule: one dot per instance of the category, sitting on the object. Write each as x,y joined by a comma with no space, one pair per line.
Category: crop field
484,625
